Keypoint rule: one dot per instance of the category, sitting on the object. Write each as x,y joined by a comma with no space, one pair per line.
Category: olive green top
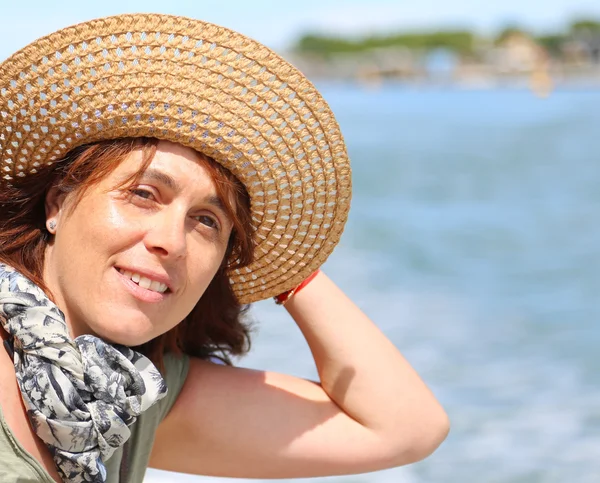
127,465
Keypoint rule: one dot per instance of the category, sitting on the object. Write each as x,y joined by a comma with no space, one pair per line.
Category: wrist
282,298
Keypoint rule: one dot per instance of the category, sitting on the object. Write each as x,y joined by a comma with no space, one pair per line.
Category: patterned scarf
81,395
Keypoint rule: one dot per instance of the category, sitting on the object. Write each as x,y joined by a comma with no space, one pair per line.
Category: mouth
145,282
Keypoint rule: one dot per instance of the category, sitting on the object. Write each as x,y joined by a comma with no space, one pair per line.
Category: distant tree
578,29
585,26
552,43
459,41
325,46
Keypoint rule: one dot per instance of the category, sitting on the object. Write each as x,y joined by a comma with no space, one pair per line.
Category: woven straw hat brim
203,86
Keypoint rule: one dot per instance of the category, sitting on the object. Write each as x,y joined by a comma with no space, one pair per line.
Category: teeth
145,282
155,286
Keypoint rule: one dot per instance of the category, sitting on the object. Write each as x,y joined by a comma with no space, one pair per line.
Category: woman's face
129,263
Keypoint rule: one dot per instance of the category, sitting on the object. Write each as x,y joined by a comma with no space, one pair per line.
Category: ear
54,204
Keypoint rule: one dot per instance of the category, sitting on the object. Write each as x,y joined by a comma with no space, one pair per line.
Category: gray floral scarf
81,395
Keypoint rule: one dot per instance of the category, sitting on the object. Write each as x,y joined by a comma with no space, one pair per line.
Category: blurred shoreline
513,58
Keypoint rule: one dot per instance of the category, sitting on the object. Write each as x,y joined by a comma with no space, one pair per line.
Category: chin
128,332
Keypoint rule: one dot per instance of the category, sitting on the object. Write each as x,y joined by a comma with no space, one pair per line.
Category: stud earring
51,226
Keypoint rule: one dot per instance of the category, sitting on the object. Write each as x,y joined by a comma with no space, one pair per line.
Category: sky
278,23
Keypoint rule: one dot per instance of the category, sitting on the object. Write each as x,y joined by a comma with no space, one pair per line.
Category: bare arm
371,410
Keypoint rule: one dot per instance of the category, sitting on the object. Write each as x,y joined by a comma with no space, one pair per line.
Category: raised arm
370,411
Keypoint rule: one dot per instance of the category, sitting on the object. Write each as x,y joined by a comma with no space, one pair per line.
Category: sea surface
474,243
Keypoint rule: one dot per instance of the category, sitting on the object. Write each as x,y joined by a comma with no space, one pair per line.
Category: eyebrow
160,177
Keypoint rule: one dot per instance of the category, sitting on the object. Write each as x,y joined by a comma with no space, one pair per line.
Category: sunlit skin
172,232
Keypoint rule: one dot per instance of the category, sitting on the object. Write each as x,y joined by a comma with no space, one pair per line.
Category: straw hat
203,86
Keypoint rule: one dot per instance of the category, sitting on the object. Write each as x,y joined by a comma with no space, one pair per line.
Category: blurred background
472,240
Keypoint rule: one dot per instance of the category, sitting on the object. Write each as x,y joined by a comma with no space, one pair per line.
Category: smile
144,282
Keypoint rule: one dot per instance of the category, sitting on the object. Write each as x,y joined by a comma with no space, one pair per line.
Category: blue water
473,242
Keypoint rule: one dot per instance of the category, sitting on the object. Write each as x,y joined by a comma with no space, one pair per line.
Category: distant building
373,65
387,63
518,53
584,47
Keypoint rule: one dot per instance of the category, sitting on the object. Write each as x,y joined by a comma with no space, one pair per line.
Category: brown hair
215,326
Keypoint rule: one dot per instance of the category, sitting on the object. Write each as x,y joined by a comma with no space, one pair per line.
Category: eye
142,193
209,221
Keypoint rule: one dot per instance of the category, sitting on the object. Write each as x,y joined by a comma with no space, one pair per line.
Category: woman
158,175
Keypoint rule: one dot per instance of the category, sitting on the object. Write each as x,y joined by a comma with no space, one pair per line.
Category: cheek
202,266
199,277
98,227
86,244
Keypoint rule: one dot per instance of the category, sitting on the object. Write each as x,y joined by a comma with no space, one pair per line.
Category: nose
166,235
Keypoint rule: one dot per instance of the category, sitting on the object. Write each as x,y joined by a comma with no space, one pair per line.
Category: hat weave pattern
203,86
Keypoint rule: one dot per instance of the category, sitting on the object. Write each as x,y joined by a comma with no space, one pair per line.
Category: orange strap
282,298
